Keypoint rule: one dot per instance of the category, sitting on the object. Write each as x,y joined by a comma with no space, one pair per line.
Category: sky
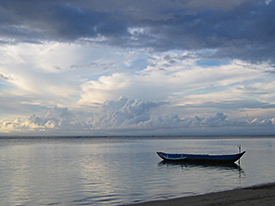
128,67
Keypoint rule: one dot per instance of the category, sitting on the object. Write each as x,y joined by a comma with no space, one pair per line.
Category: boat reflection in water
205,164
230,167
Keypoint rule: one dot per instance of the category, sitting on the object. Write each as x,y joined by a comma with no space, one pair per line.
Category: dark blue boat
201,157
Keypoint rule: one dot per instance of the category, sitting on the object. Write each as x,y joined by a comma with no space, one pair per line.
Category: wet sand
263,195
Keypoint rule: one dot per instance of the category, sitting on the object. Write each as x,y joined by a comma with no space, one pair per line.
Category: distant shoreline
136,136
255,195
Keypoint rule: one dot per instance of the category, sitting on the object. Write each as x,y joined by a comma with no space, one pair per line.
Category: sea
122,170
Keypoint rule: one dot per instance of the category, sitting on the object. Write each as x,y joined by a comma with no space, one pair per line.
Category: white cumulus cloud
124,114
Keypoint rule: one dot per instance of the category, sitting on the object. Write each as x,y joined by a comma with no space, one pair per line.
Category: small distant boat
231,158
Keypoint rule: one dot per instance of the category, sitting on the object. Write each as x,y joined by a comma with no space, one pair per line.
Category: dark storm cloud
236,29
57,20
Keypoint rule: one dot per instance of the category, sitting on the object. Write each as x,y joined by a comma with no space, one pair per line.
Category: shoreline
263,195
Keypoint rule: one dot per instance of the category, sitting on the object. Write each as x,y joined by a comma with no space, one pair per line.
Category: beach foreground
263,195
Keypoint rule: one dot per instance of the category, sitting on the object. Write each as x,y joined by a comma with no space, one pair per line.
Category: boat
230,158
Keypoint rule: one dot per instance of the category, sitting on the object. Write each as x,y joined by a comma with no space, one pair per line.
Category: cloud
56,120
86,78
60,20
182,81
124,114
2,76
174,121
232,29
112,114
201,57
58,69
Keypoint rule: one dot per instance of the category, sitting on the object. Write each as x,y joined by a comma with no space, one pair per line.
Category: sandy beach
263,195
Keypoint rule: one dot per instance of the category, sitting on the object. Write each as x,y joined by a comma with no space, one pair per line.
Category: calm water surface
119,171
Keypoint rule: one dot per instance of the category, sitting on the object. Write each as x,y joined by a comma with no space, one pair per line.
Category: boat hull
201,158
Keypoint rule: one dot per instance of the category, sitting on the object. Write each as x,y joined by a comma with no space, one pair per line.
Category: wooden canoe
230,158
